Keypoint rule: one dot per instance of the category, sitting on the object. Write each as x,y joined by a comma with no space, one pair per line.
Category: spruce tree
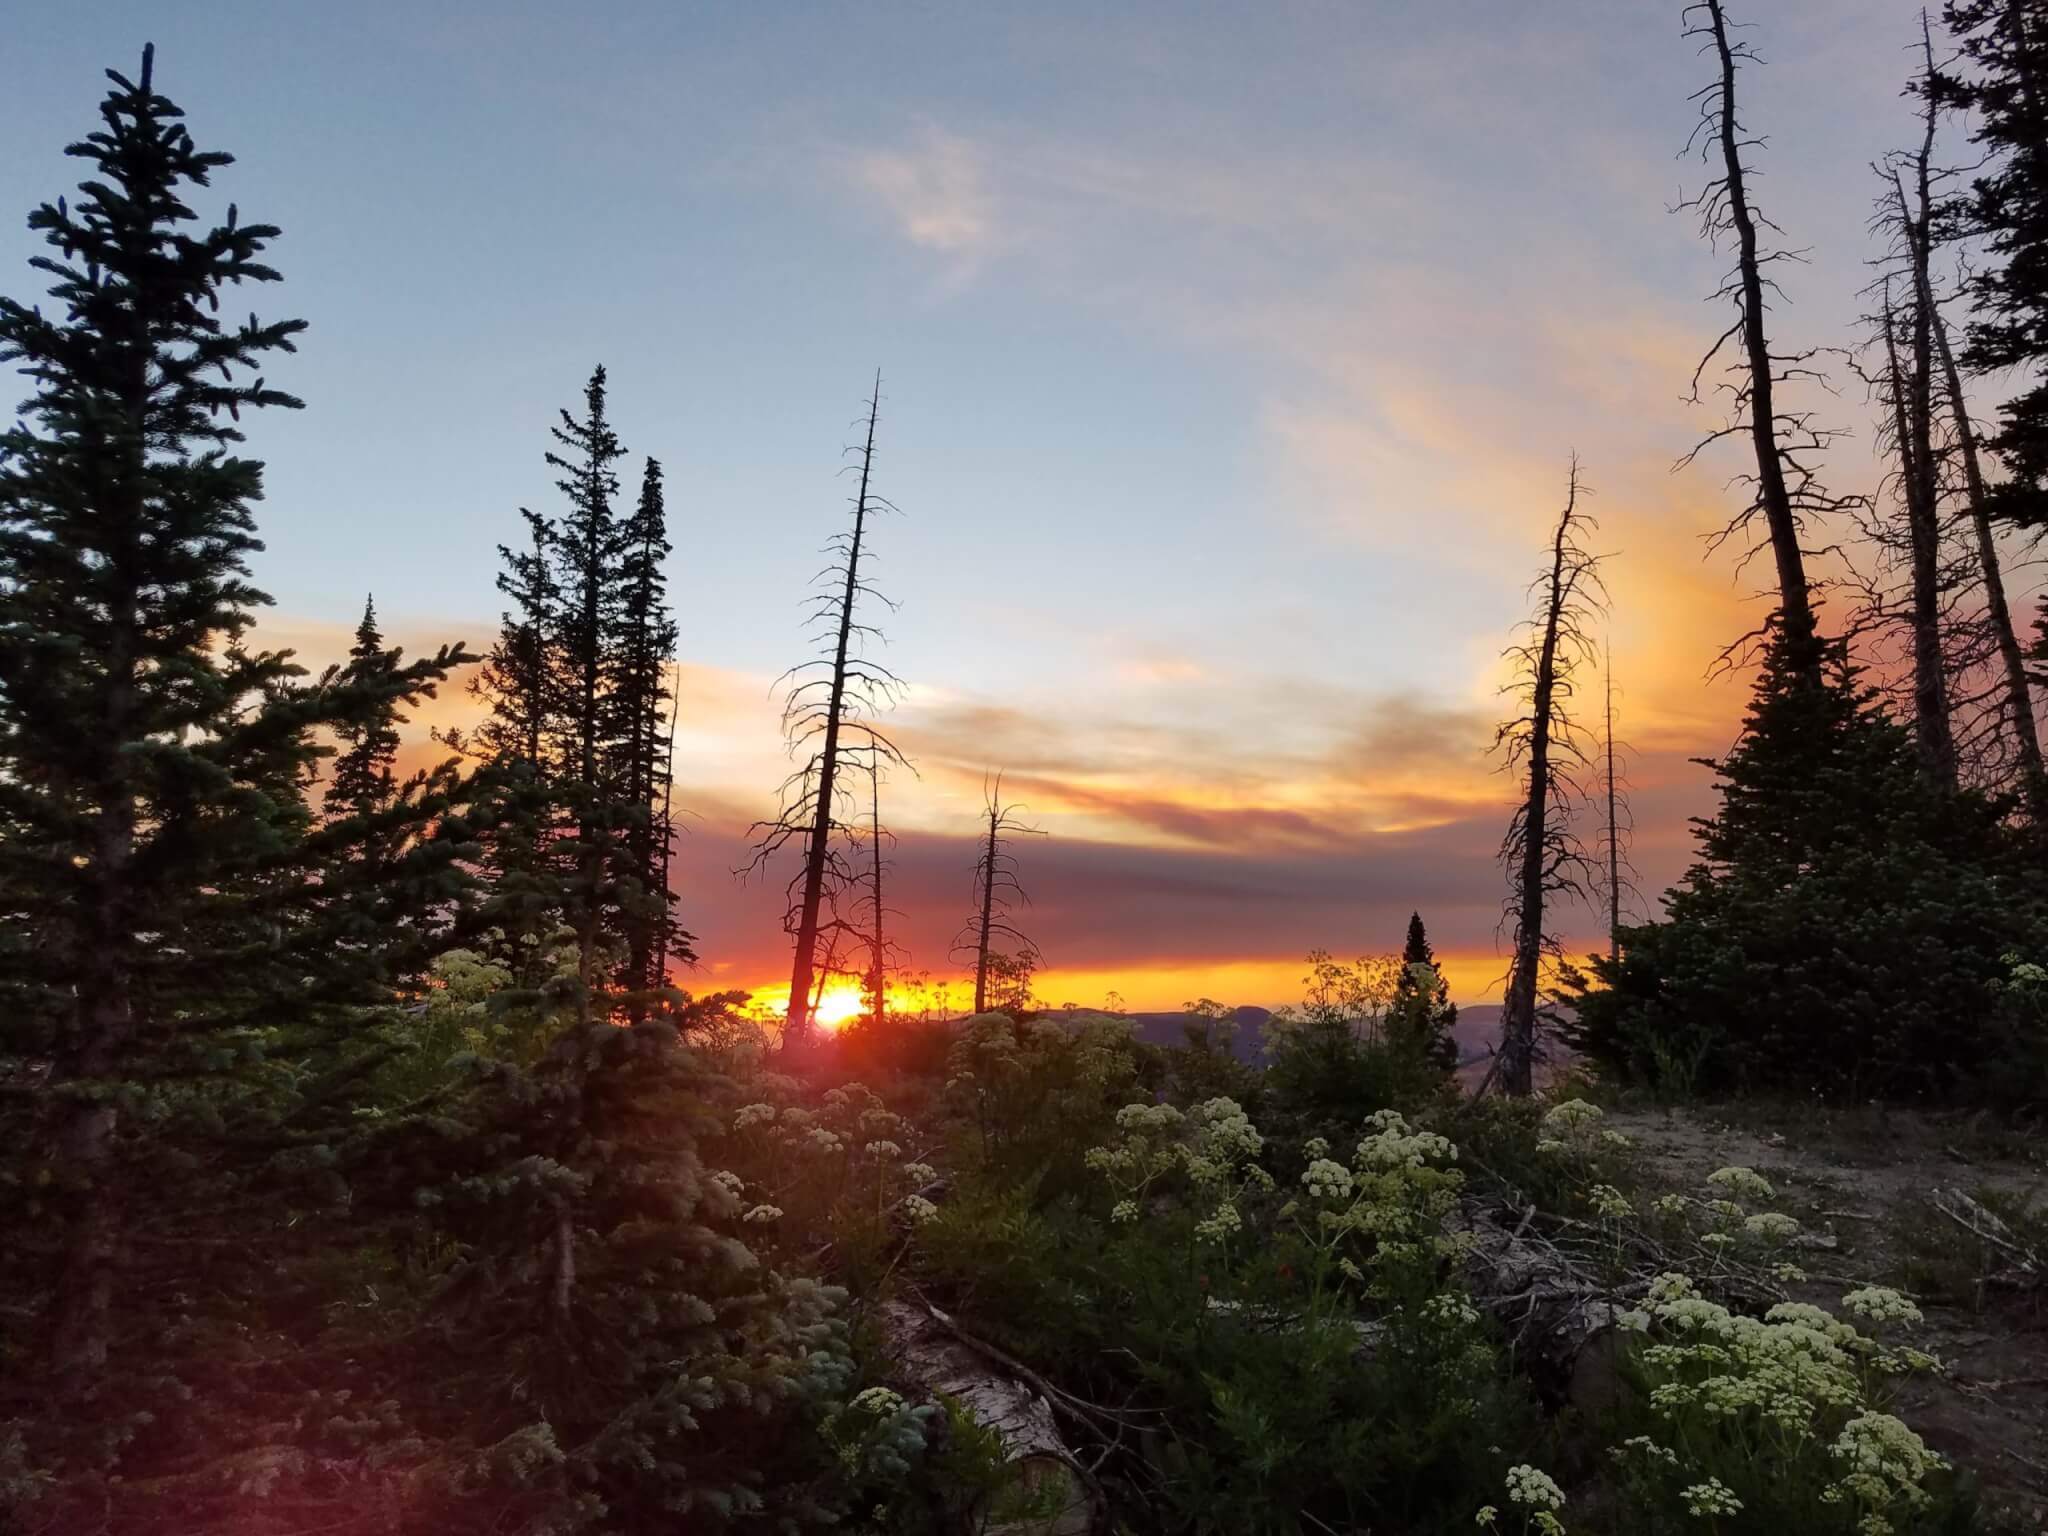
1422,1010
1843,929
638,724
362,783
157,860
2004,83
519,747
586,547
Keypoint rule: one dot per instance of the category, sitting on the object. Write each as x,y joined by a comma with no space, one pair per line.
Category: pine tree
639,717
2005,47
586,546
2006,44
518,676
1843,929
519,746
1422,1010
156,848
362,783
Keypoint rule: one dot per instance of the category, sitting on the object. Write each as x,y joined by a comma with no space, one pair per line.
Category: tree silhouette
997,894
362,784
1422,1006
1543,744
639,716
1784,492
2007,98
875,981
838,689
1617,875
159,868
1907,213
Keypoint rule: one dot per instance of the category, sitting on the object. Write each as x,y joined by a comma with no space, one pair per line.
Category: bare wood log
931,1351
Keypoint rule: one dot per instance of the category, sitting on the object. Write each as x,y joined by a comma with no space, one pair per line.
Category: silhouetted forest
375,1163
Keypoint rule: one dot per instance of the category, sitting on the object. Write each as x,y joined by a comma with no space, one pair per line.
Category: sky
1232,357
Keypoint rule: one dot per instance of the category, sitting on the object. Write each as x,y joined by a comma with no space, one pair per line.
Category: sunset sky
1232,356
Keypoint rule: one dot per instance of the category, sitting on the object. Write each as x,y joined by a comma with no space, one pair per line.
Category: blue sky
1231,354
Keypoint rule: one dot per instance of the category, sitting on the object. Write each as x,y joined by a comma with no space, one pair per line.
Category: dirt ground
1861,1183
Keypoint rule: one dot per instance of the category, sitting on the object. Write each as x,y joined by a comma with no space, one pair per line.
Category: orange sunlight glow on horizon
1475,977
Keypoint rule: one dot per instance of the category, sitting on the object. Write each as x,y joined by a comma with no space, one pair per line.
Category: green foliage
1364,1039
1033,1096
603,1293
1845,929
1776,1424
1297,1353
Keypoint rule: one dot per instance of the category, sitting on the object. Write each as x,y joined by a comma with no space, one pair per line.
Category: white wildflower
1711,1498
1528,1485
1881,1304
1742,1183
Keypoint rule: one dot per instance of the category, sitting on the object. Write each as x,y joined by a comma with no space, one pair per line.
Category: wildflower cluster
1572,1137
847,1149
1213,1147
1386,1212
1785,1398
1538,1497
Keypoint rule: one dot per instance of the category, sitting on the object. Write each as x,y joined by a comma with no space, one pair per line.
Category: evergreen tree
639,720
362,782
1422,1010
157,856
2004,47
518,676
1844,926
586,547
519,746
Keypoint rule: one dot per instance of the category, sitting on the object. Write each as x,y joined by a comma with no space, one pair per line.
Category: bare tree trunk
1542,853
804,969
1934,729
1613,823
1795,604
1912,425
878,969
1518,1022
988,902
1997,610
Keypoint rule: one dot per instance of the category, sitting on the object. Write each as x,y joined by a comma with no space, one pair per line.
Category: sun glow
840,1003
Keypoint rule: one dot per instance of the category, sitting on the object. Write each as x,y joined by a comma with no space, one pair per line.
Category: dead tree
2016,704
1617,874
1906,385
997,891
1784,493
879,946
1542,852
838,690
1911,216
2014,708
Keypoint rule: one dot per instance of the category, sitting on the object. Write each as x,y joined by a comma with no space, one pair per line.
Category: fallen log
935,1357
1559,1319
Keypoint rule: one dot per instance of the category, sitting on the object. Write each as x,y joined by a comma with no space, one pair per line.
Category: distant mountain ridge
1476,1031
